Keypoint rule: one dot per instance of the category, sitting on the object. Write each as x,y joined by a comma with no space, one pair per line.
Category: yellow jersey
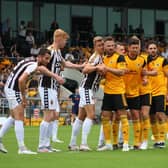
158,85
133,78
114,84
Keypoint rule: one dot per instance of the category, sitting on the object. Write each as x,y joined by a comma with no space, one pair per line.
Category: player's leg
47,99
101,142
55,128
76,129
87,124
19,129
134,106
144,112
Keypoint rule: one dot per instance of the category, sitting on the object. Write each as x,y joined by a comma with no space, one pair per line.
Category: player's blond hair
60,33
97,39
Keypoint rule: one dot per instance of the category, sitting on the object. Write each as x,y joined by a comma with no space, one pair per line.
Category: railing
33,113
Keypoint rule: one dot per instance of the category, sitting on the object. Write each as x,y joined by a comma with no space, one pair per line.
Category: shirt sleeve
121,63
165,64
31,68
94,60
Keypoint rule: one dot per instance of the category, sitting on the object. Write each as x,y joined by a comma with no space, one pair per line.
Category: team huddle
133,81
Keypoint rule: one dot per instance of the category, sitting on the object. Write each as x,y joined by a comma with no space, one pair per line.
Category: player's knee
91,116
105,120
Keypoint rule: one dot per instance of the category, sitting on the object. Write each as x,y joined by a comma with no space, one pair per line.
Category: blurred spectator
69,56
30,39
1,45
75,98
139,30
33,87
54,25
164,53
22,29
131,30
30,26
0,28
34,50
6,28
75,37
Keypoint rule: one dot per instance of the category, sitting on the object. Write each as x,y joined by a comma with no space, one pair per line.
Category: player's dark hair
133,41
151,42
108,38
44,51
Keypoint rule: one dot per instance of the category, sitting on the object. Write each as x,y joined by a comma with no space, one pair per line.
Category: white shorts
49,99
13,97
86,97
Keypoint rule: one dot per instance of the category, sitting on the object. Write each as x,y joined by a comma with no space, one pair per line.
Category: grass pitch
151,158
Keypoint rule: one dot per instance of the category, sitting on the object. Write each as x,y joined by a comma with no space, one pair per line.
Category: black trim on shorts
146,99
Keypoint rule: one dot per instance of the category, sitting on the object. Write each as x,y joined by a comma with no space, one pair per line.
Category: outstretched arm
69,64
46,72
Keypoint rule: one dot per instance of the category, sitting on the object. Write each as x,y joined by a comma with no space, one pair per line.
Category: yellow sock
162,131
115,126
125,128
155,131
106,129
141,131
167,127
137,128
145,129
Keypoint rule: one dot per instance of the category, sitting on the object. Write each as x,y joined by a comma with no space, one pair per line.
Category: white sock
43,133
75,131
49,134
101,136
55,129
87,124
6,125
120,135
19,131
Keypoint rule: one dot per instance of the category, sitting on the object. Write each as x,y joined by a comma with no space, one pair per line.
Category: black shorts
158,104
134,103
113,102
167,110
145,100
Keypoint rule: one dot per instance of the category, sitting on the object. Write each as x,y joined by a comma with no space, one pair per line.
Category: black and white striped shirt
28,65
55,67
92,80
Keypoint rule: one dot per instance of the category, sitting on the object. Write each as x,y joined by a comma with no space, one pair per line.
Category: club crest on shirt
138,65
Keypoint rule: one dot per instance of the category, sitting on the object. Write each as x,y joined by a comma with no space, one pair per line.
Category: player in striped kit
15,90
48,90
89,85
